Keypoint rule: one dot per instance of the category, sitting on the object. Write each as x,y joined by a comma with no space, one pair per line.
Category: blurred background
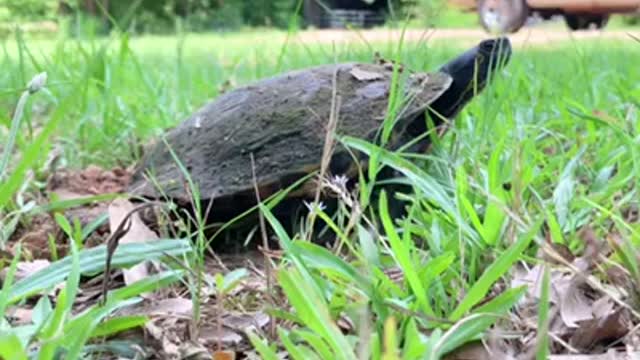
96,17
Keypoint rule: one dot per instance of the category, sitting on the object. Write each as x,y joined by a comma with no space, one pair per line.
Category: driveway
546,35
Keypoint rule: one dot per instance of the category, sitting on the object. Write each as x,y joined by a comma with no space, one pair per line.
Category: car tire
502,16
581,22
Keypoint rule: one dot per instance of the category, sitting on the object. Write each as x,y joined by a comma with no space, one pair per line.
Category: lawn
545,161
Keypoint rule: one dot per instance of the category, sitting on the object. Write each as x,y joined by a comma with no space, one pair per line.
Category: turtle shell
282,121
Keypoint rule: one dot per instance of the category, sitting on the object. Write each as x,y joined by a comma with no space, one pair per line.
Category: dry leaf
169,348
364,75
602,307
246,322
165,308
478,351
25,269
190,350
224,355
211,335
574,305
609,355
19,316
591,332
138,232
173,306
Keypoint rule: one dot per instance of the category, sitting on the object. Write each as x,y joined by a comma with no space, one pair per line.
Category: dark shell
282,121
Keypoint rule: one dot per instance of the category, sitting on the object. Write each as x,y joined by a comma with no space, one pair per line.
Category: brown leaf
167,340
478,351
166,308
138,232
224,355
593,248
173,306
364,75
246,322
574,305
209,335
533,279
602,307
609,355
610,327
190,350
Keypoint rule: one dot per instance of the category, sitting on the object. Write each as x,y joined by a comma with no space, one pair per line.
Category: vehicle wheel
582,22
502,16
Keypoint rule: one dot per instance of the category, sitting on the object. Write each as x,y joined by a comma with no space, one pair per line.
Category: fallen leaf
591,332
602,307
246,322
609,355
25,269
168,343
574,305
190,350
224,355
364,75
165,308
138,232
172,306
211,335
19,316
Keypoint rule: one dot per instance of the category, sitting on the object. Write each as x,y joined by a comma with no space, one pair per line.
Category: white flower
37,83
312,209
340,181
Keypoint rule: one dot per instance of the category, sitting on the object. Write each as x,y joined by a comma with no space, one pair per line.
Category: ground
534,185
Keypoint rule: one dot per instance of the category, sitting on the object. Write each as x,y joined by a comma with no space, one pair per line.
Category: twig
327,150
113,242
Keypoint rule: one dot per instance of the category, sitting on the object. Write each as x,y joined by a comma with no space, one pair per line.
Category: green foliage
426,11
151,16
161,16
631,19
29,9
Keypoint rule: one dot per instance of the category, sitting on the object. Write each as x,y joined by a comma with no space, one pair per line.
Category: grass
529,150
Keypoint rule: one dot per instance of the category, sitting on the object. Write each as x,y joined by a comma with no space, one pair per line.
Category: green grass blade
93,260
496,270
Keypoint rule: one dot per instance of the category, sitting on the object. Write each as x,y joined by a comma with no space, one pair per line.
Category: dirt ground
529,36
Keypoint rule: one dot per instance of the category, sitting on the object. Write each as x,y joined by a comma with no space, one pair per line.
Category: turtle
270,133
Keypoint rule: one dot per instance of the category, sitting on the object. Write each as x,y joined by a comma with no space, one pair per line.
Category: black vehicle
325,14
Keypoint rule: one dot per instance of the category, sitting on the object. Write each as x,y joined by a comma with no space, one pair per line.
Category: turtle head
471,71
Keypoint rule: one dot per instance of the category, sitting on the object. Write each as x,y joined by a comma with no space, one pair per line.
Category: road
529,36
